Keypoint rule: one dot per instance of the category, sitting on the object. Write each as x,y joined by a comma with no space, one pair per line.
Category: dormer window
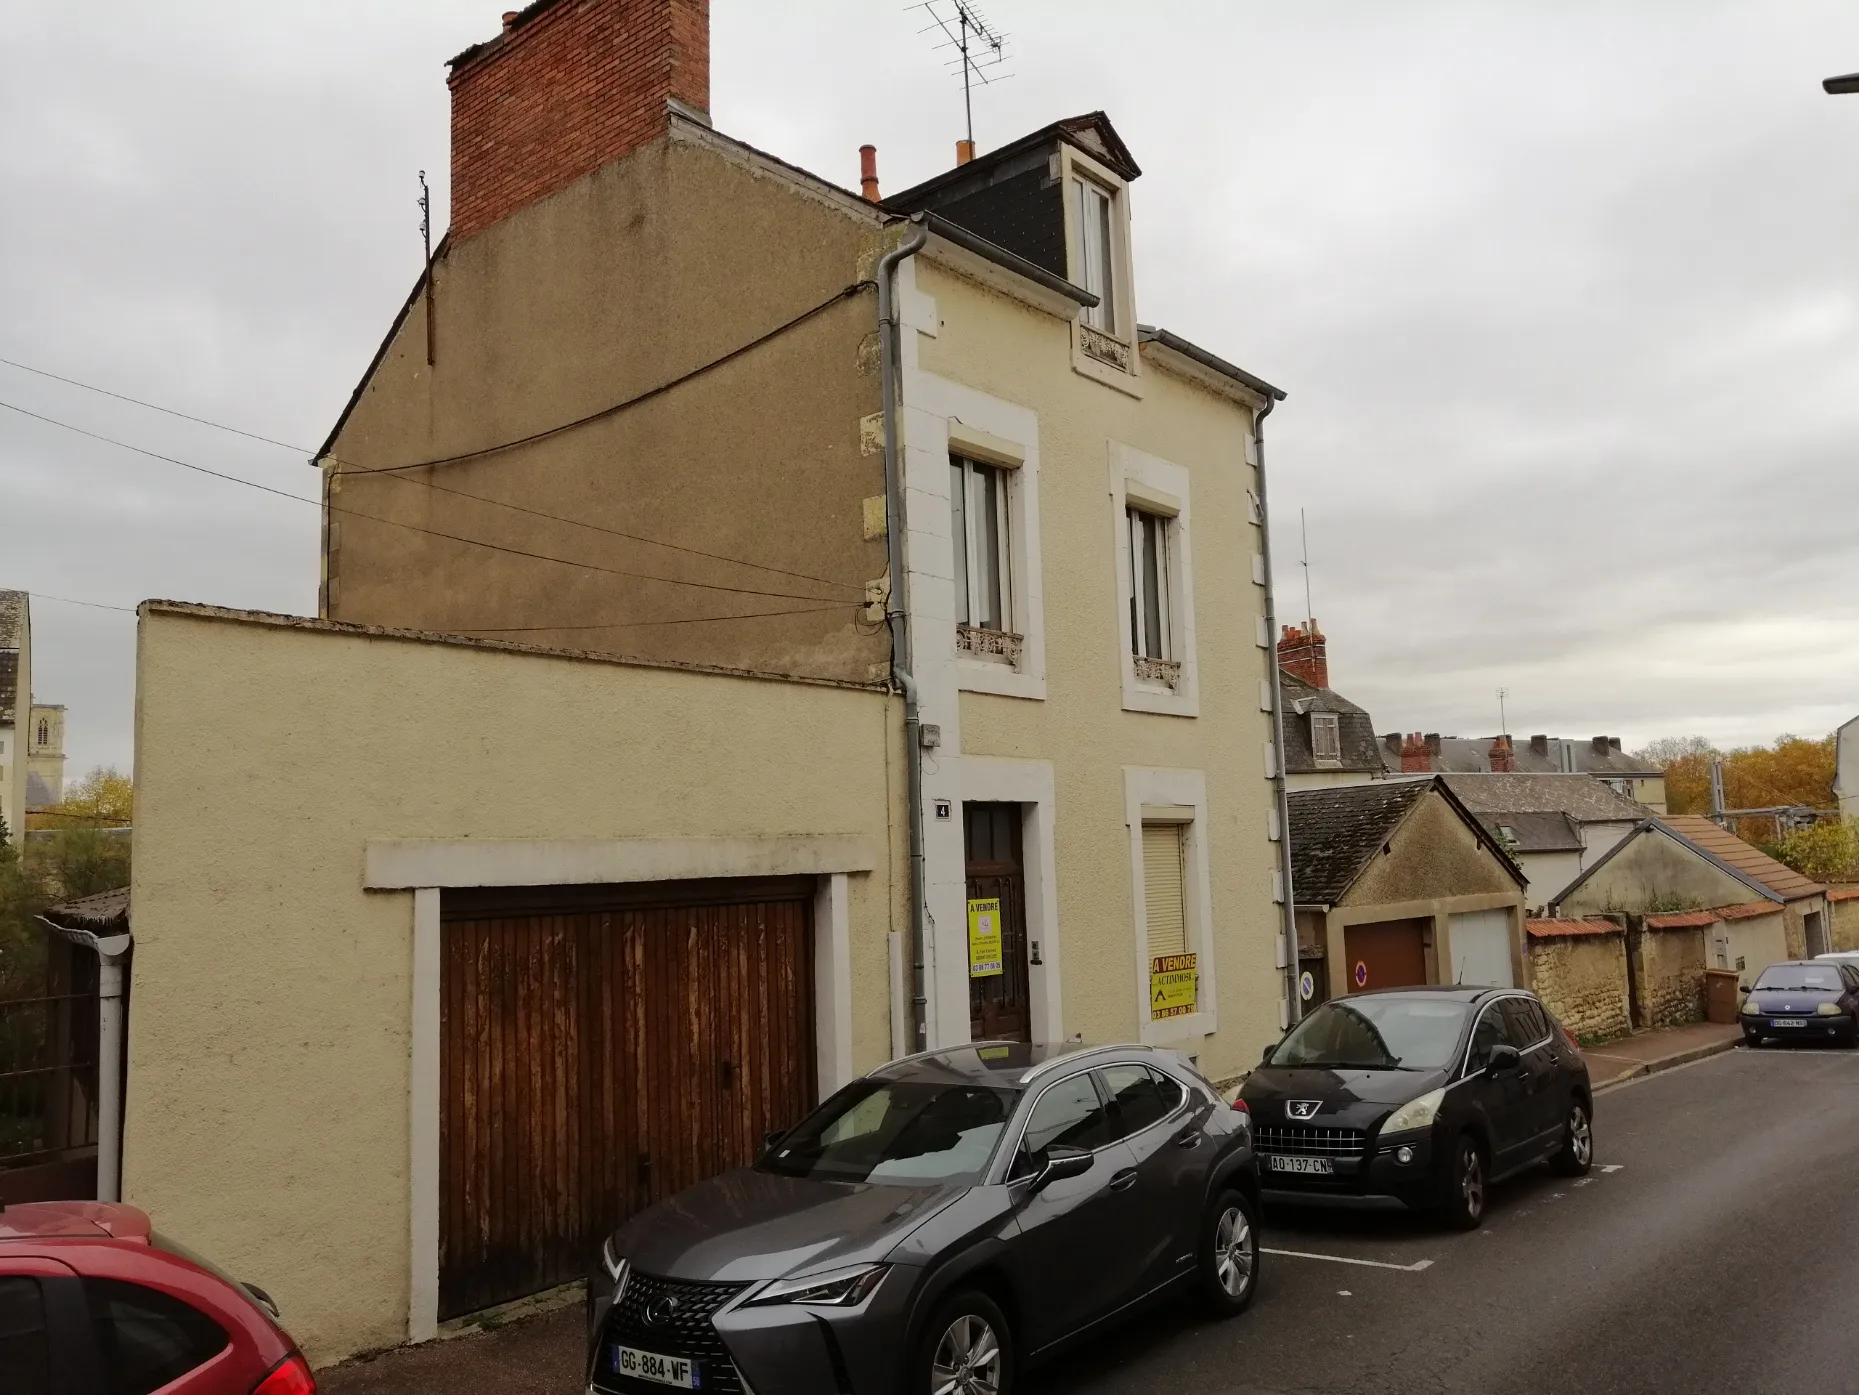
1094,206
1326,741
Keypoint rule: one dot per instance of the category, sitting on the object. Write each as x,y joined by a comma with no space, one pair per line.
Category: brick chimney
1539,746
568,86
1301,653
1503,758
1414,754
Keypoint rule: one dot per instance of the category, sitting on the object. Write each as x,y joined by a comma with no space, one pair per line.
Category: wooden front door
1385,954
1000,1005
600,1050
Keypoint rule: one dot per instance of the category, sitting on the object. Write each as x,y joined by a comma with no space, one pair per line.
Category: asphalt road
1715,1247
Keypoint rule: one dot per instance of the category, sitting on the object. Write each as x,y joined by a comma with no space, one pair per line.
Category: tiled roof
1582,797
104,910
1725,846
1843,893
1690,920
1355,729
1334,832
1536,833
1746,910
1554,929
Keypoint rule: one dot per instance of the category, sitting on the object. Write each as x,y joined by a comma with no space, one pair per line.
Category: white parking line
1612,1167
1413,1268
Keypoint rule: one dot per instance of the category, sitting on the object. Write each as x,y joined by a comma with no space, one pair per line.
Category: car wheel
1464,1206
1228,1255
967,1350
1752,1040
1576,1155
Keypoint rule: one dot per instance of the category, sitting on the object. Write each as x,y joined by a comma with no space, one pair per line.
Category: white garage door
1481,949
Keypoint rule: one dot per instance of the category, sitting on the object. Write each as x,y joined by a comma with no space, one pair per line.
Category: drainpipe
897,614
1294,1003
111,951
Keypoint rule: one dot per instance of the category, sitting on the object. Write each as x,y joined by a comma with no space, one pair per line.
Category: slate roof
1536,833
38,794
105,910
1582,797
1758,866
1355,729
1467,754
1336,831
12,636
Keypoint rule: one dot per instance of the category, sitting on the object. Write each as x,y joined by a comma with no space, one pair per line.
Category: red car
95,1302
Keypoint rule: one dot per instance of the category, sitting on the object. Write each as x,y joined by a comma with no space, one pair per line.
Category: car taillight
1570,1037
291,1376
1239,1106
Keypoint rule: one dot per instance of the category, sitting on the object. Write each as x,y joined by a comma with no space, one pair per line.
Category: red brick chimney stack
1302,654
568,86
1503,758
1415,757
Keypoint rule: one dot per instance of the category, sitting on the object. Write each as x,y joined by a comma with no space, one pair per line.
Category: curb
1677,1058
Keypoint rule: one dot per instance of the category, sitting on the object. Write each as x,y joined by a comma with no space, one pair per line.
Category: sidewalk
1646,1052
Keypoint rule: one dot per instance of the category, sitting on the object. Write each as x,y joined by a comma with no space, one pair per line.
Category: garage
1481,948
602,1047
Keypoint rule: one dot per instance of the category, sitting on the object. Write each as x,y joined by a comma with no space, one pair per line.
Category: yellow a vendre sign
1172,985
984,938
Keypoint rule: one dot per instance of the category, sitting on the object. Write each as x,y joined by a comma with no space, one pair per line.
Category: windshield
1375,1034
1795,978
898,1131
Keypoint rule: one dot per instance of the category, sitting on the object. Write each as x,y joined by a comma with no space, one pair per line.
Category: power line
94,605
353,468
410,527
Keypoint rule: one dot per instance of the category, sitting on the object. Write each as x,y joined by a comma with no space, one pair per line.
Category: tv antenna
1310,621
977,48
1503,725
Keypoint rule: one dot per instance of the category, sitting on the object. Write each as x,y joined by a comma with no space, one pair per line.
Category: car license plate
649,1365
1787,1022
1321,1166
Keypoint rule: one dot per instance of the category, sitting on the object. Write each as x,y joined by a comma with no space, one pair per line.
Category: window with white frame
1095,207
979,525
1151,605
1326,739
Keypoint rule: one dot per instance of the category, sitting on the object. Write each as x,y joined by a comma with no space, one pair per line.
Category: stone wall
1583,979
1669,966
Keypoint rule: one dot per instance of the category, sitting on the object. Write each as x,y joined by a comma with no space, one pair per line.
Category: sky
1565,297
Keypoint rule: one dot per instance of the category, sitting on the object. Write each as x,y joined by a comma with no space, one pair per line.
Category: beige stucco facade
991,374
739,492
278,1095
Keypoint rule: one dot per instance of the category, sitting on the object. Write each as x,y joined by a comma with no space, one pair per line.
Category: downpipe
111,952
1294,1003
897,616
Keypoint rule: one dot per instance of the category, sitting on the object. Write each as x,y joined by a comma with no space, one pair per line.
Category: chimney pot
1539,746
964,151
509,20
1303,654
1600,745
1415,757
868,172
1503,758
1614,741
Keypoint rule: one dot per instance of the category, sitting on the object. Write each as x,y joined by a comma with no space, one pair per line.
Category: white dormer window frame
1326,740
1097,241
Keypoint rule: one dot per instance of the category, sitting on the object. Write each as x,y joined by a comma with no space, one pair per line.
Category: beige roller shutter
1164,892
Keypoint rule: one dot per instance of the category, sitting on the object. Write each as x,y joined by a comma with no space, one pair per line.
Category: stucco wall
1845,919
1433,854
1670,974
584,300
1758,941
1583,979
1548,872
1019,355
1795,915
1655,873
269,1029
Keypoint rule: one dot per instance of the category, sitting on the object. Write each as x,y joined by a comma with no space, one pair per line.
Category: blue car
1803,998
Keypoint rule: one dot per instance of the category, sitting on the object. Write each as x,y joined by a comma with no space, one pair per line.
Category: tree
103,798
1795,770
1827,851
1667,749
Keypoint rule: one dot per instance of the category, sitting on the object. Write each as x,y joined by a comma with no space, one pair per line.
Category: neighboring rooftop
107,910
1581,797
1336,832
1355,729
1549,929
1597,755
1534,832
1754,864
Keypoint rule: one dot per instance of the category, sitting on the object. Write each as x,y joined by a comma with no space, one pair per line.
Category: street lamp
1836,85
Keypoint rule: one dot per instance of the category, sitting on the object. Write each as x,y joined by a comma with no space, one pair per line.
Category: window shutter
1164,888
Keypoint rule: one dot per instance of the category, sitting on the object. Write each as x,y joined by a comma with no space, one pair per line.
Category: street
1712,1249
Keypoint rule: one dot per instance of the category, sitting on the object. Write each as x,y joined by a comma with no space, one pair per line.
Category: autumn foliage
1795,770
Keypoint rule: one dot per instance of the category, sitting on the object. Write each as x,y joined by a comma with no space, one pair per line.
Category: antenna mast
978,48
426,239
1310,620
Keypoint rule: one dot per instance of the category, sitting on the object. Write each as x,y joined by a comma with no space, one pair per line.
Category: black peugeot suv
1421,1097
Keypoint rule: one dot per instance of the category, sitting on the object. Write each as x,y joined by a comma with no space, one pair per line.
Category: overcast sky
1565,297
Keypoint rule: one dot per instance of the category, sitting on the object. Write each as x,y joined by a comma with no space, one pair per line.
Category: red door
1385,954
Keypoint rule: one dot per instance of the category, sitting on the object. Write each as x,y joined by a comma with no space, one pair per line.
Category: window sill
1000,646
1161,674
1099,356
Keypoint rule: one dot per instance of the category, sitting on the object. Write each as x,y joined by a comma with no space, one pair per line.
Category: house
32,756
1554,825
1599,756
1328,740
684,656
1846,768
1398,883
1684,872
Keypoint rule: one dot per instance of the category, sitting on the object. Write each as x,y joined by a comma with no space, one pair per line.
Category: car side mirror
1062,1161
1503,1057
1265,1058
772,1138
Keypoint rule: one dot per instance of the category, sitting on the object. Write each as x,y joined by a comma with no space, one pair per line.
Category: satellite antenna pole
426,238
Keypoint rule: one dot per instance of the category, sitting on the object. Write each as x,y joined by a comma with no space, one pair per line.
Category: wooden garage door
600,1052
1385,954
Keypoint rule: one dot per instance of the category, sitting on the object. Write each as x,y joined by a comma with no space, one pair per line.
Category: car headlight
837,1288
1416,1114
611,1260
1827,1010
1752,1007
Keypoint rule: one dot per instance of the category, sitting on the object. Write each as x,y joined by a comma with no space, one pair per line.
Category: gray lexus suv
933,1227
